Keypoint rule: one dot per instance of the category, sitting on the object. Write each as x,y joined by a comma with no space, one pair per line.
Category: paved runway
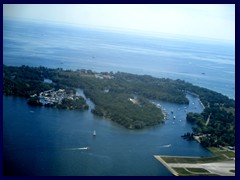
220,168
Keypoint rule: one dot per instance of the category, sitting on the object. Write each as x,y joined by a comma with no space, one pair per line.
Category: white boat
94,133
83,148
168,145
174,117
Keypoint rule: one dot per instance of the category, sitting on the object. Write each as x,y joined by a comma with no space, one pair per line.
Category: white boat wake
81,148
167,145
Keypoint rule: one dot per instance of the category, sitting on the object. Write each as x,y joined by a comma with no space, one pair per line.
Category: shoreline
194,94
159,158
201,103
220,164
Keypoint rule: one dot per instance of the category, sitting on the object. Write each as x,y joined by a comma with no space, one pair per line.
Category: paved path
208,119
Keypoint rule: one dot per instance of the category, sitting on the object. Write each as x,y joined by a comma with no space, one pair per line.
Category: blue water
45,141
205,63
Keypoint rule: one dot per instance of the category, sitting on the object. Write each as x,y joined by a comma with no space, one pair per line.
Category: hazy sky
212,21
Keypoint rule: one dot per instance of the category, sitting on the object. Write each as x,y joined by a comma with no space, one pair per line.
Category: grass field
218,155
197,170
193,172
171,159
220,152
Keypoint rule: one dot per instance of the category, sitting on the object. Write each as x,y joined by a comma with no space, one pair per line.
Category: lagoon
42,141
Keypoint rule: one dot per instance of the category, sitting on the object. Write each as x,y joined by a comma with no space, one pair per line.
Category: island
128,99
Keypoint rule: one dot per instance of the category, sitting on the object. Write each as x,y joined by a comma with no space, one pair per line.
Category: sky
215,21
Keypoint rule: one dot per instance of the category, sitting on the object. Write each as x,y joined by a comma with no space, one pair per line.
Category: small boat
83,148
174,117
168,145
94,133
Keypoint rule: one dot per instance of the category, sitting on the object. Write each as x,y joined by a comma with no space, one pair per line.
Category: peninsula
125,98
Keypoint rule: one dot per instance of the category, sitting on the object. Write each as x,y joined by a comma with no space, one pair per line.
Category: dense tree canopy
220,129
126,98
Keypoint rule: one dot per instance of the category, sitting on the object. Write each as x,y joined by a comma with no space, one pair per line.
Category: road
208,119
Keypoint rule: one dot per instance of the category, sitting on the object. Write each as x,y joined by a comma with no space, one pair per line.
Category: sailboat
94,133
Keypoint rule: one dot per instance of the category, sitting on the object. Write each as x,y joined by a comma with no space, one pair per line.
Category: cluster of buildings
97,75
51,97
103,76
134,101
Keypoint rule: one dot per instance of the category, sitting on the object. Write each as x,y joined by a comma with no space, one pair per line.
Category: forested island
127,98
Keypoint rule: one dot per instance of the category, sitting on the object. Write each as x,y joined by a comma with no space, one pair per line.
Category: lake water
205,63
46,141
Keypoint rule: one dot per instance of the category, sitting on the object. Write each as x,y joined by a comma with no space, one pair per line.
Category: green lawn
182,172
218,155
196,172
193,160
220,152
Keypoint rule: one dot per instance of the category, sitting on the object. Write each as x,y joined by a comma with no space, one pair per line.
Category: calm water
45,141
208,64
